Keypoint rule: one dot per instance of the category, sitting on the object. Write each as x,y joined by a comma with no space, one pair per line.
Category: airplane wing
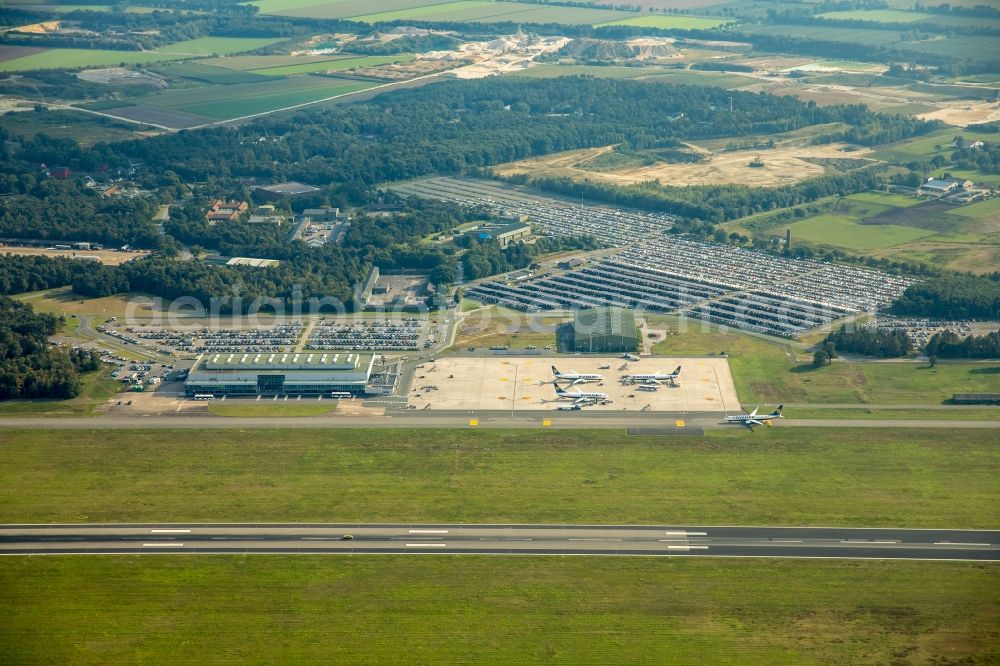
577,381
754,412
652,382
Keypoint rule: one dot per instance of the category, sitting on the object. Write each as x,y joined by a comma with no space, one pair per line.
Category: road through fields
370,539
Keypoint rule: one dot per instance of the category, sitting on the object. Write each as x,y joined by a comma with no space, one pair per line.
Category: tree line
948,344
871,341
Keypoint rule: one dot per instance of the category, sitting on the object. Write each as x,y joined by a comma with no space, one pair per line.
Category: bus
204,396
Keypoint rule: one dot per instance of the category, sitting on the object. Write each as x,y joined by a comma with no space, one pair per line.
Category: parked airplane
654,377
583,397
630,357
575,377
751,419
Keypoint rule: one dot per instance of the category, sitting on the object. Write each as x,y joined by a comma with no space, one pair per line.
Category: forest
20,274
29,366
954,297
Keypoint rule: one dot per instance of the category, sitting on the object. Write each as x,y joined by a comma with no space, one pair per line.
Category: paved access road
645,540
440,419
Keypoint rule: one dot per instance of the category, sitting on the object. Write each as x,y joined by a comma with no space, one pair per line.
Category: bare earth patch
106,257
782,166
965,114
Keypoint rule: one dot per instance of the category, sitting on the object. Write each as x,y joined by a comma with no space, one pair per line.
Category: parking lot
611,225
724,284
525,383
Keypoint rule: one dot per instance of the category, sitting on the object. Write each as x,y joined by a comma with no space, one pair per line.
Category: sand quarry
782,166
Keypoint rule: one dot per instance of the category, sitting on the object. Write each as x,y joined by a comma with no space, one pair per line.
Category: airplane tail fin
778,410
678,370
554,370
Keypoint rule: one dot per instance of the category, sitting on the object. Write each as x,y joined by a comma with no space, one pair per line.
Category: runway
590,540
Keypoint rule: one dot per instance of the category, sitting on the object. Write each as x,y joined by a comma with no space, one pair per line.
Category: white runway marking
169,531
594,539
428,531
162,545
958,543
426,545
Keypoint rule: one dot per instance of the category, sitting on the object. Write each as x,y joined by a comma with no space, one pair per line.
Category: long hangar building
281,373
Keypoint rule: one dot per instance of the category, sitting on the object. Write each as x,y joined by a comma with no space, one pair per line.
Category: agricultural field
429,10
861,36
673,21
252,62
206,73
333,65
985,48
877,477
782,166
78,58
446,609
186,107
879,15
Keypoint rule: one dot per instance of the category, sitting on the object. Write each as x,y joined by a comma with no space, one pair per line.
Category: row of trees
29,366
871,341
949,344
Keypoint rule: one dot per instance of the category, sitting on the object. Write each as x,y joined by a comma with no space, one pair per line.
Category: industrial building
280,373
603,330
505,234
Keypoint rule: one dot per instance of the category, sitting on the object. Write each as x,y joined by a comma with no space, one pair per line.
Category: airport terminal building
280,373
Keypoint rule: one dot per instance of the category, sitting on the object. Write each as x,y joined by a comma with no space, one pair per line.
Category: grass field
766,371
97,388
224,102
76,58
924,146
669,21
265,409
978,211
943,413
433,609
902,478
333,65
848,233
63,301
